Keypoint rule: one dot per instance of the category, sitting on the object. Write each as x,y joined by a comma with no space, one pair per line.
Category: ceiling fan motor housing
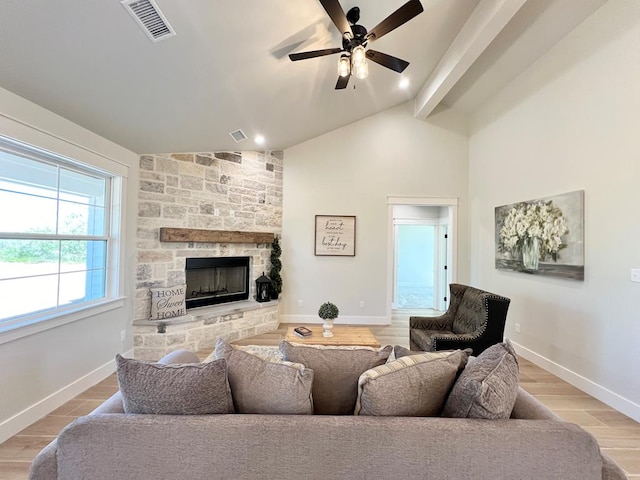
359,38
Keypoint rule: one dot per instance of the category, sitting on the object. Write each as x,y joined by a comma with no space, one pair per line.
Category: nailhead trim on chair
434,340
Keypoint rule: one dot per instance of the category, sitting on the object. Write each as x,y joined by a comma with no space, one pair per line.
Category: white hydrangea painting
543,236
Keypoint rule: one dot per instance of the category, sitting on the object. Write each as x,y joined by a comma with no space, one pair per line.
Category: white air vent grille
238,135
147,14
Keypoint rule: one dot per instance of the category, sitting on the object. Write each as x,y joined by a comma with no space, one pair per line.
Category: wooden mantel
213,236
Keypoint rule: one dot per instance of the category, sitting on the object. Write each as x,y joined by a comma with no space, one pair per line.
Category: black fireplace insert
214,280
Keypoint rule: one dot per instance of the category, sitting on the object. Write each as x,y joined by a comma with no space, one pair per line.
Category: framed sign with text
335,235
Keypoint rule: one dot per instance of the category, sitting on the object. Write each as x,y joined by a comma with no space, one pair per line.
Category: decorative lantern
263,285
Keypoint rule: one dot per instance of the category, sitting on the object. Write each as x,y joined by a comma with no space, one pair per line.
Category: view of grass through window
52,235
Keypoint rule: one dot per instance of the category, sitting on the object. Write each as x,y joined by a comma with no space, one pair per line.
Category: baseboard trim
620,403
30,415
342,320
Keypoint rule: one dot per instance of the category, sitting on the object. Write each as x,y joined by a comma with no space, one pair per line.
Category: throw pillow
411,386
400,351
488,387
259,385
262,351
167,302
177,389
335,372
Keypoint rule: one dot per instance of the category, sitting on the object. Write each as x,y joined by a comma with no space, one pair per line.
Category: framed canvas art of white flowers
543,236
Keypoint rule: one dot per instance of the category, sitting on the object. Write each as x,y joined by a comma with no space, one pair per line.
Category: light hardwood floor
617,434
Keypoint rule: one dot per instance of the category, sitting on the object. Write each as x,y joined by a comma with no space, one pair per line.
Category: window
55,235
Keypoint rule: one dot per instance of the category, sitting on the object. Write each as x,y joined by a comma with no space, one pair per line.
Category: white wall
351,171
43,370
568,123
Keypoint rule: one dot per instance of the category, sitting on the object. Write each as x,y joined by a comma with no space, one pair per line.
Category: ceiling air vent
147,14
238,135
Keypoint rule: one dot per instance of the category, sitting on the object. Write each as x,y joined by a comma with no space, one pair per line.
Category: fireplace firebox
214,280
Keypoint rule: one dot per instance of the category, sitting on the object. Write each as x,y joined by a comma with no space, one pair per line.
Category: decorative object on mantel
263,284
328,312
543,236
335,235
167,302
274,273
168,234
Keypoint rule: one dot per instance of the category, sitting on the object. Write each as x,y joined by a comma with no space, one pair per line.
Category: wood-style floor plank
14,470
617,434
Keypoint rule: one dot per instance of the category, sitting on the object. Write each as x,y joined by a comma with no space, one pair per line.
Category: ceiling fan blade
337,15
394,63
397,18
342,82
314,53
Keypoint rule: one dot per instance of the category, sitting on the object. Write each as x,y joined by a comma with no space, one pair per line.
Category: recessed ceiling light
259,139
404,83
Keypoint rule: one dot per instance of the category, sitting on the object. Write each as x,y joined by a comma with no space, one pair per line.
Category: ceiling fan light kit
344,65
355,39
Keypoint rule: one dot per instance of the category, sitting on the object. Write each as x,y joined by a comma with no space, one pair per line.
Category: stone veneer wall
236,191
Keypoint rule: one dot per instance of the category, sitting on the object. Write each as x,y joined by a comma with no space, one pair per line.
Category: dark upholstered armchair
475,319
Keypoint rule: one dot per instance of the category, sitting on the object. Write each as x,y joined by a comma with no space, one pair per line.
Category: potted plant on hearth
328,312
274,273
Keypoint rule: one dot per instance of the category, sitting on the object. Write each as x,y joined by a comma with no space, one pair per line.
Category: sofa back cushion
266,386
471,312
487,387
411,386
335,372
177,389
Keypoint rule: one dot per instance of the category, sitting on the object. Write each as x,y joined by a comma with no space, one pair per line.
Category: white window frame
88,162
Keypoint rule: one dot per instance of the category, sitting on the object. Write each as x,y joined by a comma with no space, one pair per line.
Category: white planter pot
328,327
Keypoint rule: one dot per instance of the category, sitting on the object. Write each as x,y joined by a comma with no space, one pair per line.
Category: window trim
58,318
34,322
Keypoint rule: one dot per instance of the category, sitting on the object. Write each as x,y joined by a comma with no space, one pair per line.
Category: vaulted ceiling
227,66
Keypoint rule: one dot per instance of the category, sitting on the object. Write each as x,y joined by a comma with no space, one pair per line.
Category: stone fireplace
237,196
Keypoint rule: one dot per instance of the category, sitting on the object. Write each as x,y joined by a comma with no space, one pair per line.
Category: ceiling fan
355,39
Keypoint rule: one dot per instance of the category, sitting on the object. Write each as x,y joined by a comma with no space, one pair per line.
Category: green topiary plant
276,266
328,311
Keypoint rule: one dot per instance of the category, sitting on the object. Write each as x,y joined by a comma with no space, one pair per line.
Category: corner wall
45,369
352,171
570,122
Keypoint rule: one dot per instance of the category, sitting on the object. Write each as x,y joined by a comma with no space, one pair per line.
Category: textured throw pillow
167,302
266,386
411,386
400,351
488,387
178,389
335,372
262,351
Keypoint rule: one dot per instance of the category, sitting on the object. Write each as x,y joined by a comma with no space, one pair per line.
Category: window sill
41,323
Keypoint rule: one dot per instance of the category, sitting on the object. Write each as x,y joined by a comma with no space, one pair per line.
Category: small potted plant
328,312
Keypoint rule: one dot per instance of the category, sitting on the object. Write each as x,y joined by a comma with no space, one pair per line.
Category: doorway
420,271
422,253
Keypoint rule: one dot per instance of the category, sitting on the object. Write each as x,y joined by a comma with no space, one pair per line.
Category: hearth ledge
194,314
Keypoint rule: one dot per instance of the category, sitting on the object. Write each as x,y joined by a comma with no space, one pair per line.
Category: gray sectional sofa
110,445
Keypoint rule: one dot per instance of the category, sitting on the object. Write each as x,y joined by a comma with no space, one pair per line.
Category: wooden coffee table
361,336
